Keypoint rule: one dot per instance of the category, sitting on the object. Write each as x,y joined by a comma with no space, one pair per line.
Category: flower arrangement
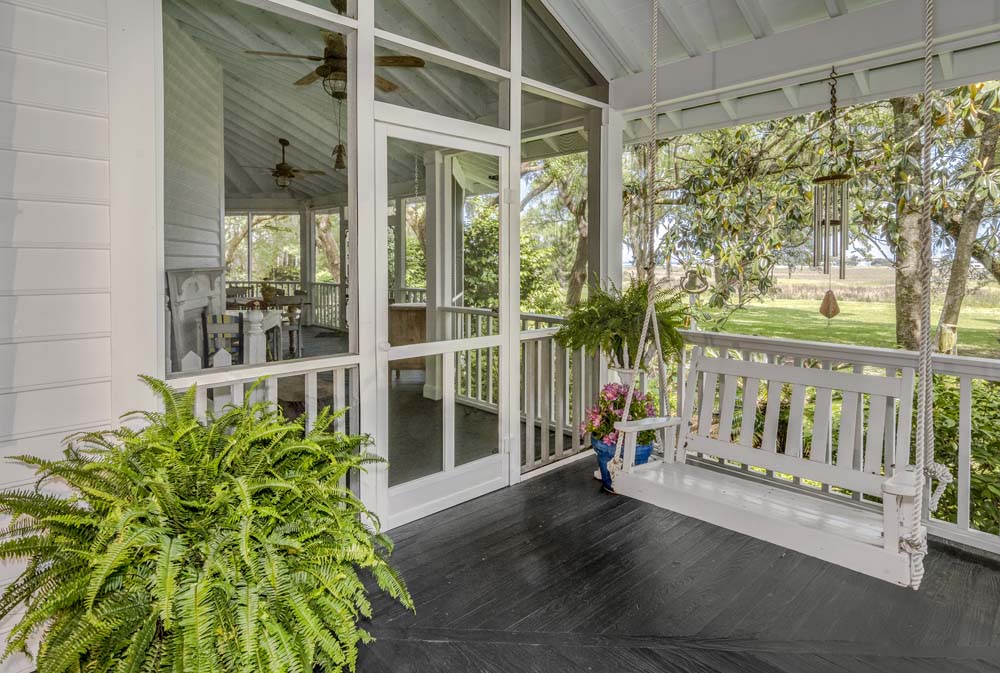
601,418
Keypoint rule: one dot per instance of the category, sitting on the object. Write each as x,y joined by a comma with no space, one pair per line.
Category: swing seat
846,498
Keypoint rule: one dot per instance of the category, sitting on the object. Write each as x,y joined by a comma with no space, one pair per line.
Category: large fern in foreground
186,546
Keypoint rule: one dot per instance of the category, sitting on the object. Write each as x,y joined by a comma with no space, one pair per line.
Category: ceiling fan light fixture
281,181
335,84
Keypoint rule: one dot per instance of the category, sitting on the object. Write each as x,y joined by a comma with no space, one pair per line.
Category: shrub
226,545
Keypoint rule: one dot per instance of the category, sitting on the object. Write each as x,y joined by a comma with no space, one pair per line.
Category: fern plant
610,321
225,546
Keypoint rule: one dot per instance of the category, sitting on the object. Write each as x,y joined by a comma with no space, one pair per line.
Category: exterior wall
194,191
55,309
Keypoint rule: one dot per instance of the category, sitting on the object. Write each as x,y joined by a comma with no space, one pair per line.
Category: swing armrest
651,423
903,483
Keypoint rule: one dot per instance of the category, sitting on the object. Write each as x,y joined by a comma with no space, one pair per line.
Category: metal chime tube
827,214
845,228
817,218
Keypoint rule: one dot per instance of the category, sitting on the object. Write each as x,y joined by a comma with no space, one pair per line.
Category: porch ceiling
724,62
262,103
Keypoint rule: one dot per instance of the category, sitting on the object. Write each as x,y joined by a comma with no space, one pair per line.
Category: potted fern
610,321
228,545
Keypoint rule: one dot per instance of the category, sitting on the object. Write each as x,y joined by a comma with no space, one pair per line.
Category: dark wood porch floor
551,576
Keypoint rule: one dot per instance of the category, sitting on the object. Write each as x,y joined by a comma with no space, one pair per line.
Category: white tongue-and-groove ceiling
262,103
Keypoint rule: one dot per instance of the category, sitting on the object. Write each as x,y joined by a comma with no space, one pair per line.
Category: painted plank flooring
552,576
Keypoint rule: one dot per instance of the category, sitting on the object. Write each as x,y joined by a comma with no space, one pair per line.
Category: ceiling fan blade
399,61
281,54
299,171
385,85
308,79
335,43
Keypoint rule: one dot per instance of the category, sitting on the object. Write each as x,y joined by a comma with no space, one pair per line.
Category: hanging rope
650,234
926,468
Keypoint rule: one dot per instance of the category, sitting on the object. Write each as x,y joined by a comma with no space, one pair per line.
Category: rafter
836,7
672,13
755,17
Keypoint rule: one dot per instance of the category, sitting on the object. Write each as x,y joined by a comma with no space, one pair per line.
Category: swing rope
642,351
927,468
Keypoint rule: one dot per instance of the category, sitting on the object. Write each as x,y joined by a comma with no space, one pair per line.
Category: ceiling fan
283,172
332,68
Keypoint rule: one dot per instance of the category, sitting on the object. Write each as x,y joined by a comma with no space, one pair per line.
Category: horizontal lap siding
55,323
193,154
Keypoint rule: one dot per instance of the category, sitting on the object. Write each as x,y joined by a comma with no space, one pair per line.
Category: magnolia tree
736,202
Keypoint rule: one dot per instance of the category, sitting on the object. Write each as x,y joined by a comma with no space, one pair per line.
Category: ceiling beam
791,94
755,17
672,13
876,36
976,64
863,82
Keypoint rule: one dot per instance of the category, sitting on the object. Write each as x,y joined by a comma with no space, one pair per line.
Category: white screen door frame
420,497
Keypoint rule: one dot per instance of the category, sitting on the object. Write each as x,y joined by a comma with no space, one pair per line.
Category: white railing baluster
545,376
311,384
964,476
530,400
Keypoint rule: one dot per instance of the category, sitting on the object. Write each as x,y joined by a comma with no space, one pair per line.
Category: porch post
307,260
343,317
363,220
398,224
597,224
510,237
436,231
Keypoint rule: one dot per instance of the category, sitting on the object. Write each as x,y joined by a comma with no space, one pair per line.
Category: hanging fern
226,546
610,320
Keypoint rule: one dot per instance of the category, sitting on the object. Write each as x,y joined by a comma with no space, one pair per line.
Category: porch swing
865,512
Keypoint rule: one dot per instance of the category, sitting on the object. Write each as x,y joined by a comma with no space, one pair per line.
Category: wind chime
831,211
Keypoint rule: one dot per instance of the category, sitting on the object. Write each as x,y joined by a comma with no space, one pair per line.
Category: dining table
260,325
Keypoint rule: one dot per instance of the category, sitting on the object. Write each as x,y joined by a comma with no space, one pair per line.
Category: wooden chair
849,501
291,327
222,340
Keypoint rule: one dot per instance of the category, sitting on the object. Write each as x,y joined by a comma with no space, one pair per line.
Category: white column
398,224
437,231
362,219
138,306
510,259
307,258
344,283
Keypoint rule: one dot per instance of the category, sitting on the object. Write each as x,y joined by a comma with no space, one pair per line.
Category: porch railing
408,295
966,371
326,300
299,387
553,382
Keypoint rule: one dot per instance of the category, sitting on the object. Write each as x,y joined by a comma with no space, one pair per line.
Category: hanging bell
340,157
829,308
694,282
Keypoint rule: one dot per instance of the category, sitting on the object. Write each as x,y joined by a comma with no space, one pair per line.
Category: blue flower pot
606,452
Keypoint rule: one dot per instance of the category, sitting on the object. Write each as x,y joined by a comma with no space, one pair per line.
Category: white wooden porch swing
865,513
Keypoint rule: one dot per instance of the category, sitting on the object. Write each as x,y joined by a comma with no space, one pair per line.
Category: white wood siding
194,154
55,318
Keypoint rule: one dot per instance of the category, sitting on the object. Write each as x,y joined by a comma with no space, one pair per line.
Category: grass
860,323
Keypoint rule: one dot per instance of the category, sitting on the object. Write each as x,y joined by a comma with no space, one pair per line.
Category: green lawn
860,323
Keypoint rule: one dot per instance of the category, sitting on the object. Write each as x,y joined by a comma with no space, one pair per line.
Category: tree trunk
330,245
906,242
578,274
968,228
